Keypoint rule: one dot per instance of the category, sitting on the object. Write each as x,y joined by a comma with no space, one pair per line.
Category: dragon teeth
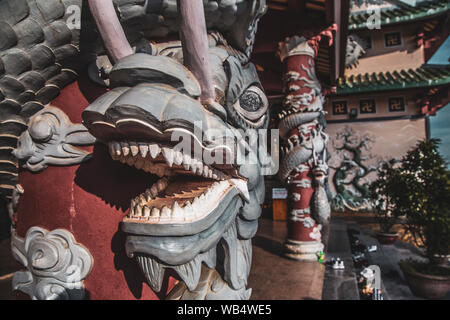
197,167
154,190
134,148
138,211
141,208
125,148
115,149
168,155
178,158
154,150
162,184
155,212
140,155
196,204
146,211
188,211
165,212
177,211
186,162
143,149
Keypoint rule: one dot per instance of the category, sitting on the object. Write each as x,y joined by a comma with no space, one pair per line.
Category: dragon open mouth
188,190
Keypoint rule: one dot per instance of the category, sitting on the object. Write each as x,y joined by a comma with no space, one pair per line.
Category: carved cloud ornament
56,264
51,139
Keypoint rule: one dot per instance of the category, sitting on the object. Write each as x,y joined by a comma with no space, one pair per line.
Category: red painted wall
90,200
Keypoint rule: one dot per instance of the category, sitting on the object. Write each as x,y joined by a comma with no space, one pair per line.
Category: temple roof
403,13
424,76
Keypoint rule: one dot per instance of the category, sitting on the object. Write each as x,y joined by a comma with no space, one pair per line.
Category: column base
302,250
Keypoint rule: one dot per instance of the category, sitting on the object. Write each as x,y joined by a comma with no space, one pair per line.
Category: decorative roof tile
404,14
424,76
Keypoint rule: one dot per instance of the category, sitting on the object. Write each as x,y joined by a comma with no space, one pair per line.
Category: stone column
303,166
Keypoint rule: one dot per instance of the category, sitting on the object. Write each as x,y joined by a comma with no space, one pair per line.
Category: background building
385,100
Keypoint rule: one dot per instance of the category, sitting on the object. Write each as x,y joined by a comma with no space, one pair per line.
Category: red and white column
303,166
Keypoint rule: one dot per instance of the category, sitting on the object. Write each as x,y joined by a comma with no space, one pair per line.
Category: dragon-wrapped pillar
303,167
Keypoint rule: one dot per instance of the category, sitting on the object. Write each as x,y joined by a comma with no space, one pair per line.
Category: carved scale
303,166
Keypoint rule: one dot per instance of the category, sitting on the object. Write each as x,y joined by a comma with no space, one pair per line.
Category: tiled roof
403,79
403,14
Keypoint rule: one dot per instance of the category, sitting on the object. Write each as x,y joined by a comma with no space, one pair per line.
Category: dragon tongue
241,185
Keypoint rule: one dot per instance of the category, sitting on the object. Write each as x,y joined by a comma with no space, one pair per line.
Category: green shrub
418,188
384,192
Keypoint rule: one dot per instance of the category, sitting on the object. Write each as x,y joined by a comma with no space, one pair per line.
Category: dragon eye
252,104
250,101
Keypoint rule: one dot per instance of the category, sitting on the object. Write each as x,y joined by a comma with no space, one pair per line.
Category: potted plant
386,221
422,195
383,192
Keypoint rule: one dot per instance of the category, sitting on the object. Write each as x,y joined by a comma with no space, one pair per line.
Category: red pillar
303,146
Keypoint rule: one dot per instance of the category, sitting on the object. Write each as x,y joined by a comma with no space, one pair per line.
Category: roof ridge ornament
293,46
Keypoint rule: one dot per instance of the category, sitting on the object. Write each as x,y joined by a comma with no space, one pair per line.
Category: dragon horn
194,40
110,29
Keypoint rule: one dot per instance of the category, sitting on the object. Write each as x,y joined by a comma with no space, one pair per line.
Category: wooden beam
296,6
194,40
110,29
329,11
341,46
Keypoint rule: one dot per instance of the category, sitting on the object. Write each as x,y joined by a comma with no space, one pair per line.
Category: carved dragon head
202,211
356,48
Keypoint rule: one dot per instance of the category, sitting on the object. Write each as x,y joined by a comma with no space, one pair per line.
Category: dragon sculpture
199,209
356,48
304,158
352,175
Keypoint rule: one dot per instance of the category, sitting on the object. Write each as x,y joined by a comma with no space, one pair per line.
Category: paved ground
340,284
393,284
274,277
387,257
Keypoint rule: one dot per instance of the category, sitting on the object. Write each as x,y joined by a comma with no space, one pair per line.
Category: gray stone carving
356,48
147,109
56,264
210,287
50,140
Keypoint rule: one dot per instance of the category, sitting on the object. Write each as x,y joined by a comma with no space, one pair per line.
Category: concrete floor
274,277
387,257
340,284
